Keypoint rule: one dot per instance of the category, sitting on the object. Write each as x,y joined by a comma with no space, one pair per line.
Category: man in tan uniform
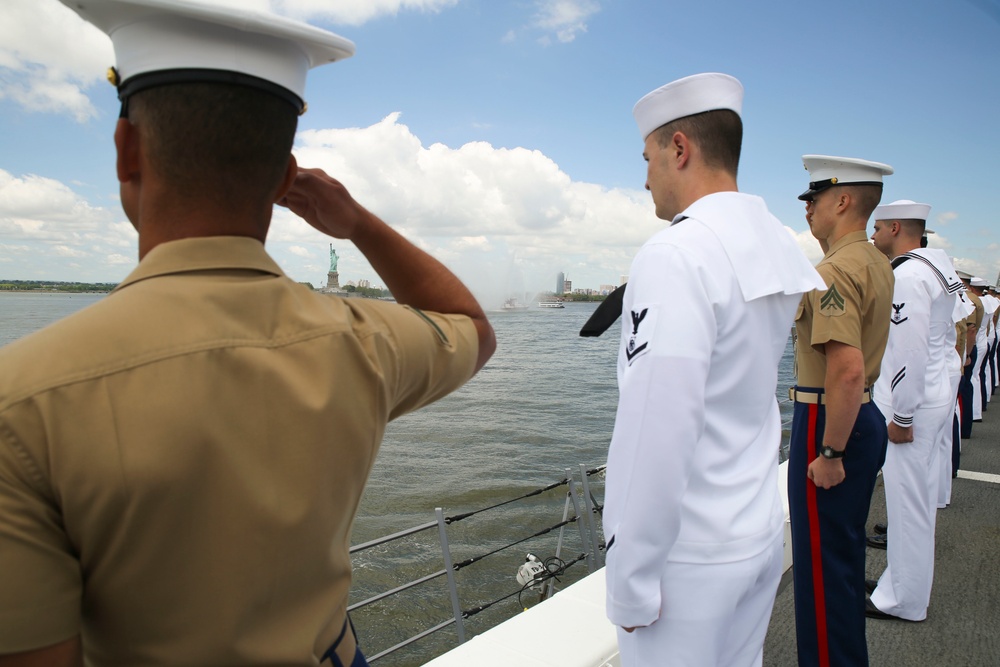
180,464
839,437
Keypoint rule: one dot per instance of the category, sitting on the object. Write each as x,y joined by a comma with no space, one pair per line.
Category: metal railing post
559,542
450,570
579,524
591,524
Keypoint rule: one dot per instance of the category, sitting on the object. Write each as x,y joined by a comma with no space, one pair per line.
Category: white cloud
48,231
116,259
808,244
66,251
354,12
494,215
938,241
985,270
301,252
438,190
946,217
565,18
48,56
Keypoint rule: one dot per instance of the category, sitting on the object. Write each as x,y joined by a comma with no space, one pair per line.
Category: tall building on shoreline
560,283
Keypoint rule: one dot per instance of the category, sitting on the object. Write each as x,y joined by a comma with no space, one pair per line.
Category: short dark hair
718,133
867,197
226,142
913,226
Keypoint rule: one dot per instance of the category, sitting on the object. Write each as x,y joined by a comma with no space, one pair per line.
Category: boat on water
513,304
551,303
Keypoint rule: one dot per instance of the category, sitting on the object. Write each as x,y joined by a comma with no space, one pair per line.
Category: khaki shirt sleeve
976,318
836,313
40,581
427,356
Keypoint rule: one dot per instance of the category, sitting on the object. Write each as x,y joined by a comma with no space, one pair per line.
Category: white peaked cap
686,97
826,171
175,41
903,209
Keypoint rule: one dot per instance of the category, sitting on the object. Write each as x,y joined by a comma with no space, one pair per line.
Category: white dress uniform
693,513
914,390
991,342
982,347
956,365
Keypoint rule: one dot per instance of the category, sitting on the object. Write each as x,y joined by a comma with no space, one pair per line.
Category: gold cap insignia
305,107
113,77
833,180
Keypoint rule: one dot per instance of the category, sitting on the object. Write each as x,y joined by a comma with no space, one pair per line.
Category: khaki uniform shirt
976,318
181,462
854,309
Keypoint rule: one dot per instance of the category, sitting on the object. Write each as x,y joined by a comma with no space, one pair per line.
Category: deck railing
581,508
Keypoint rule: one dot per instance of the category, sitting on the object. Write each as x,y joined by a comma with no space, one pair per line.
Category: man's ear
844,200
127,150
291,171
680,145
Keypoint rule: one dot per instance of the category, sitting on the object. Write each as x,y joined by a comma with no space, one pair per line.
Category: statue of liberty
333,259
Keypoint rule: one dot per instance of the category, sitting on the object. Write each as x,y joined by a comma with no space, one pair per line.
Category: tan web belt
815,397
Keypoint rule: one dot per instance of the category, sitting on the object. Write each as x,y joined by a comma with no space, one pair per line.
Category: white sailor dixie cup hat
159,42
686,97
903,209
826,171
978,282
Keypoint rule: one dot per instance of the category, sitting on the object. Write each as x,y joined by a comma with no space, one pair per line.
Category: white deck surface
569,629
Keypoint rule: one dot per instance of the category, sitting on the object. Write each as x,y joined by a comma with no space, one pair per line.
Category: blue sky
498,135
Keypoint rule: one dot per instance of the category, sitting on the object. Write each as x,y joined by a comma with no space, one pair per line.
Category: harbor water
544,403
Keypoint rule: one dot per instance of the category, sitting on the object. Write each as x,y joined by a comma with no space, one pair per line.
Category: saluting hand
325,203
826,473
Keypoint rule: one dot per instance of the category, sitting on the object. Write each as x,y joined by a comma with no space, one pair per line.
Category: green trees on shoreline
53,286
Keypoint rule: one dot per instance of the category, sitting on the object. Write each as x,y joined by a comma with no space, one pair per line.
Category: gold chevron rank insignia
831,304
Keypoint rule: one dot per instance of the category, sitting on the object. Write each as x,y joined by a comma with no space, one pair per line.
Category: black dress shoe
877,541
871,611
881,529
870,586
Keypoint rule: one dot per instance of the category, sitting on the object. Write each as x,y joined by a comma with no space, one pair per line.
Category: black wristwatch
828,452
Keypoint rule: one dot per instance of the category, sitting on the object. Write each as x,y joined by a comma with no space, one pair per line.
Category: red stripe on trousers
822,640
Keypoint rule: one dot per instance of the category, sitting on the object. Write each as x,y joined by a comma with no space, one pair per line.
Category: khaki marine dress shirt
853,310
181,462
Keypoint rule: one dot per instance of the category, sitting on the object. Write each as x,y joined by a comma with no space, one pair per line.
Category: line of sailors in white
987,366
918,387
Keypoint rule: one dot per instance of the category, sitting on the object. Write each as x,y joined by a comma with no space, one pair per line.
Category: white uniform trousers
713,614
945,442
977,386
991,367
911,478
